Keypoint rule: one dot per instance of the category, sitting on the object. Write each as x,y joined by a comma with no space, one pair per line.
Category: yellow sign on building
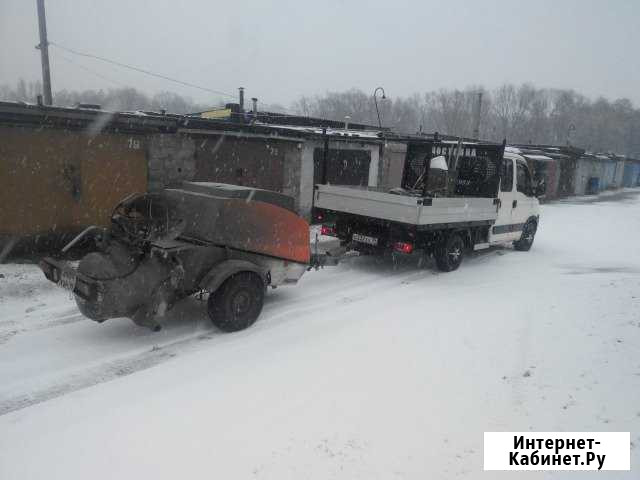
220,113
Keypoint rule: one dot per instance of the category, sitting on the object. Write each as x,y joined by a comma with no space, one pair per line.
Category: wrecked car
229,241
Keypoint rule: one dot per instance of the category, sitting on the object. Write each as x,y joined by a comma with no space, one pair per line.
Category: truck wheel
449,253
237,303
526,239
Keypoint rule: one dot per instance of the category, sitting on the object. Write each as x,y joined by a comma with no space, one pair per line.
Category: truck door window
523,179
506,185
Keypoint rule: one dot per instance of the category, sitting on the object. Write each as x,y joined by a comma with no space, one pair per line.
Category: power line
140,70
92,72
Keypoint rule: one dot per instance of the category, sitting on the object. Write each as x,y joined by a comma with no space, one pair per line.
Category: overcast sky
281,50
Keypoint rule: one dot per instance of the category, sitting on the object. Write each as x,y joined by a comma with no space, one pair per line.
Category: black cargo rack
472,163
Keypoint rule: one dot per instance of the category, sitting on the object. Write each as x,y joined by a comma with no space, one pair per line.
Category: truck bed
413,210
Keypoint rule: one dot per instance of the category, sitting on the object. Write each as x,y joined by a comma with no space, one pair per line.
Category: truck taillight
328,230
403,247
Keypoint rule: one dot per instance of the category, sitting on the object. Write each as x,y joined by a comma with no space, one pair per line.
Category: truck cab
517,204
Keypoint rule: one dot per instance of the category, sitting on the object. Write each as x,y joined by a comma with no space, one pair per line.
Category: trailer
454,197
227,241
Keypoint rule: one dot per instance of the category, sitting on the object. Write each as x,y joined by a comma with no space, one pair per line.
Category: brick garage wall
171,159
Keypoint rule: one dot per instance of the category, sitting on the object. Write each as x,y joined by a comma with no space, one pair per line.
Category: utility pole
44,53
476,118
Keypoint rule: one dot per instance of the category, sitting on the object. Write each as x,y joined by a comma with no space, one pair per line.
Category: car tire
527,237
237,303
449,253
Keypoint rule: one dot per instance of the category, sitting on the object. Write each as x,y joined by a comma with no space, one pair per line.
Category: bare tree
521,114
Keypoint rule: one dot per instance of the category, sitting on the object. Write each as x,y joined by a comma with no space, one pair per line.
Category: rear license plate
356,237
68,278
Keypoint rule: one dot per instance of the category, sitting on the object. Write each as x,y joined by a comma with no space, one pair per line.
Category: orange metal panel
264,228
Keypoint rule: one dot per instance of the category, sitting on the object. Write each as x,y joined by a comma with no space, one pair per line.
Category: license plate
356,237
68,279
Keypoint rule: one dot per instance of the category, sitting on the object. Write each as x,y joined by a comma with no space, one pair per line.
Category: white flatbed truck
458,197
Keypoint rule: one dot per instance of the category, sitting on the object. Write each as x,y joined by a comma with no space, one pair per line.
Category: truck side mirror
540,188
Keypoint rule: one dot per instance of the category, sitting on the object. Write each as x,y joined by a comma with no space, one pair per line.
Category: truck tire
527,237
449,253
237,303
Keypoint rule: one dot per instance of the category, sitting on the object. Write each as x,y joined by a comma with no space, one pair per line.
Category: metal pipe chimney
255,107
241,99
476,117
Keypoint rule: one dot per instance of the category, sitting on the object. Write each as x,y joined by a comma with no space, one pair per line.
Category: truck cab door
502,230
523,198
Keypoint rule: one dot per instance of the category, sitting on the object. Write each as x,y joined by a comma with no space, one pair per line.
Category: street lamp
375,100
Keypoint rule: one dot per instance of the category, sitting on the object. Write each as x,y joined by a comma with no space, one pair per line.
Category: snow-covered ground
361,371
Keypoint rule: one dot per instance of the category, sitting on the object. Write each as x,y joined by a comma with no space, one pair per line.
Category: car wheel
449,254
527,237
237,303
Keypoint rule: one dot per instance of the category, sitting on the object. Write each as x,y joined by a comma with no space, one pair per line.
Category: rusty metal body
166,245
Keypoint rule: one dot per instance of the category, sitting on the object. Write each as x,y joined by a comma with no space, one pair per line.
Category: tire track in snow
6,335
105,372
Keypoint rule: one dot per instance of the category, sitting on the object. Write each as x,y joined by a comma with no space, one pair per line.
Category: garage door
342,167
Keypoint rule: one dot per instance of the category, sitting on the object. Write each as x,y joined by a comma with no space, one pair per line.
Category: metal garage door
341,167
